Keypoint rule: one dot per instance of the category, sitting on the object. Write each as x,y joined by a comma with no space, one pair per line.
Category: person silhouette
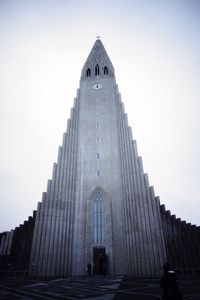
169,284
94,269
89,268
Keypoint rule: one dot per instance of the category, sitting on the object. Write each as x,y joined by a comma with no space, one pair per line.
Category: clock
97,86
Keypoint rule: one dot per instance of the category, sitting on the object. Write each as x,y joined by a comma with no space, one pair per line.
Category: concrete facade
98,207
98,158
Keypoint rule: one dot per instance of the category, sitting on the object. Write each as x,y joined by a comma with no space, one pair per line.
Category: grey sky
154,47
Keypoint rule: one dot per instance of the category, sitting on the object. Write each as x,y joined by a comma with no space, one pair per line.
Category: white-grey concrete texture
99,197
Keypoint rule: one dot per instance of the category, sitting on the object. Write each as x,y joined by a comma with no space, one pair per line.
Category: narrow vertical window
88,73
105,70
97,125
97,99
98,156
97,139
97,70
98,173
99,224
97,111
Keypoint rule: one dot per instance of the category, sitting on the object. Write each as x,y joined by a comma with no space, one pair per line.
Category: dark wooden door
99,260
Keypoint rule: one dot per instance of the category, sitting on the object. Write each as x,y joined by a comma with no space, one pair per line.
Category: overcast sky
155,49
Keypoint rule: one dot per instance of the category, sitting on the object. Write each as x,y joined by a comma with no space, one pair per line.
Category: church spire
98,63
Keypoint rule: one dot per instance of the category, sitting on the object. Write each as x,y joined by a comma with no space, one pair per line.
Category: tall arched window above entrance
99,220
97,70
88,73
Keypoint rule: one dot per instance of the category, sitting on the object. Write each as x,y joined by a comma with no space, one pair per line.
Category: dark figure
103,268
169,284
94,269
89,268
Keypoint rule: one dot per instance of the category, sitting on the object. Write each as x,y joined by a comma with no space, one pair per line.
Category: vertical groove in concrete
38,231
2,245
147,241
120,136
36,239
141,221
135,204
126,185
160,241
10,241
159,215
58,207
55,212
62,260
74,178
64,248
132,206
65,197
75,125
59,233
44,212
151,225
49,219
128,192
124,181
70,199
6,243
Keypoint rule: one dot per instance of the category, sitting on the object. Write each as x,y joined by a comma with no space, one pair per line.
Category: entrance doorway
99,260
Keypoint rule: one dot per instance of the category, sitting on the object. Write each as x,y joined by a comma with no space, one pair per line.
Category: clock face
97,86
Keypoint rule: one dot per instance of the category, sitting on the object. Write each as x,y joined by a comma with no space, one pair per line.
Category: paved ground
92,288
67,288
148,289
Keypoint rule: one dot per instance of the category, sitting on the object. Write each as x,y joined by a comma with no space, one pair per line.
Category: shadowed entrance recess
99,260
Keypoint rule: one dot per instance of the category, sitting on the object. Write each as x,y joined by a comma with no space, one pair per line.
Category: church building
98,207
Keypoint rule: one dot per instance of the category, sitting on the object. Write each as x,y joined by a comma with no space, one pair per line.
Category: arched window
99,222
88,73
97,70
105,70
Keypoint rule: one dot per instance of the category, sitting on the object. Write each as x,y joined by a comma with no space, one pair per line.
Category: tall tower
98,207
